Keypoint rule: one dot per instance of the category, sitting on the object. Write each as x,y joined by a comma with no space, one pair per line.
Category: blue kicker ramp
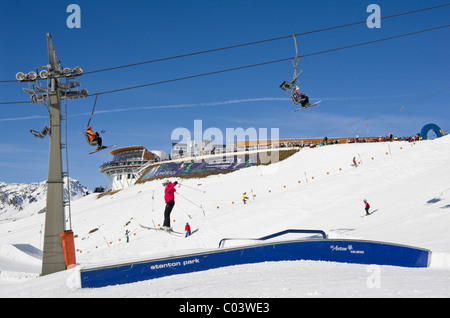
344,251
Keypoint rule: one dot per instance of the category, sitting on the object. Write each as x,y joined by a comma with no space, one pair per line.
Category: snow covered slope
406,185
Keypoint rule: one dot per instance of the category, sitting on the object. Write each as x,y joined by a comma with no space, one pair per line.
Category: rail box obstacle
316,249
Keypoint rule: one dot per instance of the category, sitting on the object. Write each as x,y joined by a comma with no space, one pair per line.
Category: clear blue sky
358,87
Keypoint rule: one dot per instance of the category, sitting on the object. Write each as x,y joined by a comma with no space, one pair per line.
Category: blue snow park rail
316,249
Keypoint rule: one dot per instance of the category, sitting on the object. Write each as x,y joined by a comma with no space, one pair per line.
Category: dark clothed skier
169,197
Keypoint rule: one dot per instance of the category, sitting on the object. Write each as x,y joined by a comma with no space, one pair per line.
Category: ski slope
405,183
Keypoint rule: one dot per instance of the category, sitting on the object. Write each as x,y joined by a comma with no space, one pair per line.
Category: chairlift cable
249,43
273,61
257,64
263,41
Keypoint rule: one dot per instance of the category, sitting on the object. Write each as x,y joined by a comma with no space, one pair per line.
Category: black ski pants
167,211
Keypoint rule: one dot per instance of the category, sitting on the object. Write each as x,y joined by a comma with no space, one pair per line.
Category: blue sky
359,87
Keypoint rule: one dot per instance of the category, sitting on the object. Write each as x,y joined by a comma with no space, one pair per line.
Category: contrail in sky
234,101
209,104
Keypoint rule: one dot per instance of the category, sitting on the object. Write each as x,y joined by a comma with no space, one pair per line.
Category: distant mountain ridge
19,198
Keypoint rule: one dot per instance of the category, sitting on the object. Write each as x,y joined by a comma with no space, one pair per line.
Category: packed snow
405,183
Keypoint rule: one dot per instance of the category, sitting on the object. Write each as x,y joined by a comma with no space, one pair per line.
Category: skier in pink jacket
169,197
366,206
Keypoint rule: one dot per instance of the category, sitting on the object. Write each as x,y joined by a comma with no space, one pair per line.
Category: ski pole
192,188
153,201
154,224
133,231
106,241
199,206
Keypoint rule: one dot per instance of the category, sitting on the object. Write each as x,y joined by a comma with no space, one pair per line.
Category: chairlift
296,99
91,143
94,142
289,85
40,134
295,95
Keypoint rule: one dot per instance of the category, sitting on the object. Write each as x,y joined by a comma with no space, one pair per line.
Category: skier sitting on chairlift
299,98
94,138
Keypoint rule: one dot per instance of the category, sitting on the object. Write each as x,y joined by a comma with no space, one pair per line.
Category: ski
103,148
370,213
170,231
308,106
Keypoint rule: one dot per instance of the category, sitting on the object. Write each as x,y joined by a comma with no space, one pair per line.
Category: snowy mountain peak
19,200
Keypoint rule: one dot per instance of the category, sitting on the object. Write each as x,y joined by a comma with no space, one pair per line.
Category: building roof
123,149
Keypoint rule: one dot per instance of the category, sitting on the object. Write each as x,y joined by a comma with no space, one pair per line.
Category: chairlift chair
295,99
41,134
91,143
289,85
299,99
286,86
302,100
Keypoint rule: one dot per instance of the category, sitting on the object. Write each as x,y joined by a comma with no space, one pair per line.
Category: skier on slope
244,197
187,229
169,197
366,207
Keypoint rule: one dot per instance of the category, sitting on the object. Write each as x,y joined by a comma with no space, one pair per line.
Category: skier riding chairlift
299,98
93,139
296,96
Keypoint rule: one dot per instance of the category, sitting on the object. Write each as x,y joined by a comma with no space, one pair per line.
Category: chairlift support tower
53,254
53,259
